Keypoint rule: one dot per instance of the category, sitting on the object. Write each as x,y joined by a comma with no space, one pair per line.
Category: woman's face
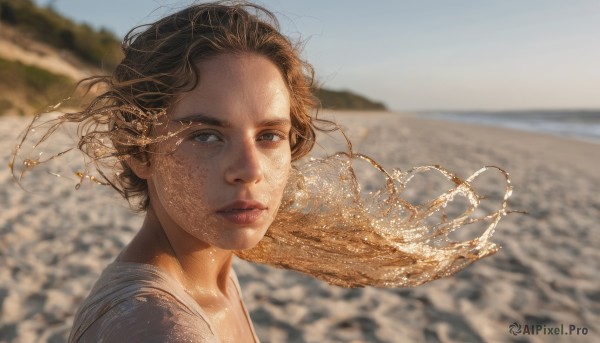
224,182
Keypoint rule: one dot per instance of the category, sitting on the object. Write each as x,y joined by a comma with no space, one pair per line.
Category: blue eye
273,137
206,137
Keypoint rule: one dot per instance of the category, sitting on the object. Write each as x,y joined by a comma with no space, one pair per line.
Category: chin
243,239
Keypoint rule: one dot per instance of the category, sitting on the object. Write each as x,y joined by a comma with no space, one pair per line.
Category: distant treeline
101,49
346,100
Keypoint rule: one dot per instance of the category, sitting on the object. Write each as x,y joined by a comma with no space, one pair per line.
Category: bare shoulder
149,319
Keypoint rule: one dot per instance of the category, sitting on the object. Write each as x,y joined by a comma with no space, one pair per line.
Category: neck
202,270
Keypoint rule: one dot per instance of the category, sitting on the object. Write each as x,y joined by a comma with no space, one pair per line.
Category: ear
140,165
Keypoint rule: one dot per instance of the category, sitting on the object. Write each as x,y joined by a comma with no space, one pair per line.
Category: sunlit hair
329,229
159,64
325,227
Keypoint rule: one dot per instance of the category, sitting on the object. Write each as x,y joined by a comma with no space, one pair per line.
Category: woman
198,127
232,100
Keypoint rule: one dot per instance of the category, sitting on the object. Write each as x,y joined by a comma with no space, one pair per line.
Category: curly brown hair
159,65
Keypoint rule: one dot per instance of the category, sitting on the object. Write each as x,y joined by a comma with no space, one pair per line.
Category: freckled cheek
277,173
182,188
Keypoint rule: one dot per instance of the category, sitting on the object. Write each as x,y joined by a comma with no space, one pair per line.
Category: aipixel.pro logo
543,329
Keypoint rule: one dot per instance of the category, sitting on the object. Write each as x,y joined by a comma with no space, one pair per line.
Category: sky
424,54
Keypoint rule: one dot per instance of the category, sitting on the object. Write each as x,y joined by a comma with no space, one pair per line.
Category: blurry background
440,68
469,60
424,55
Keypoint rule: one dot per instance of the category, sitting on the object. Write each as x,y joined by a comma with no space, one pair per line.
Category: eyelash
280,136
194,136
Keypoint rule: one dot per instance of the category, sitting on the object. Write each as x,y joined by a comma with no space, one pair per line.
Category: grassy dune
27,87
34,86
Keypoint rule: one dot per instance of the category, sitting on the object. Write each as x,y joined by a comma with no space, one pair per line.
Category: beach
55,242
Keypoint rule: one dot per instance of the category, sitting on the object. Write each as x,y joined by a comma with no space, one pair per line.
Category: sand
53,246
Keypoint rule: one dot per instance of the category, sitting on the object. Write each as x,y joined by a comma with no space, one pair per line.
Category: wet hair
325,226
159,64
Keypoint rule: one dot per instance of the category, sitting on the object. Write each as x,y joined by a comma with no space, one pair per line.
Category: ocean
575,124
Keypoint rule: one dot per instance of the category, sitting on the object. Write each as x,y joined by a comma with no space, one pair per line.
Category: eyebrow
212,121
203,119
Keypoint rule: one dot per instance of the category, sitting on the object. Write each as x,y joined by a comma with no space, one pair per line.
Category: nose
244,167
